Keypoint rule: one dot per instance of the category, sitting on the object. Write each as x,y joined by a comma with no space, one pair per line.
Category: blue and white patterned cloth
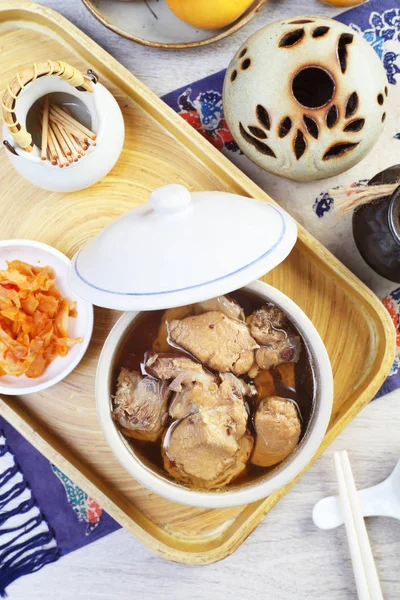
26,541
43,514
200,104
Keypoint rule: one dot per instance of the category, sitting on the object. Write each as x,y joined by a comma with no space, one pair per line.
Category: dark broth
139,340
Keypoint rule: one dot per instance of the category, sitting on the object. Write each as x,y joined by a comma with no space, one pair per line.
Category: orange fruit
208,14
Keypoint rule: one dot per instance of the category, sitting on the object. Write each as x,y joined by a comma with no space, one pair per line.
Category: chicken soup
214,395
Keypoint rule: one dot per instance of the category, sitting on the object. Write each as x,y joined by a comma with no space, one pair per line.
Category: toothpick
51,148
83,145
65,115
56,113
45,128
76,145
61,140
68,140
51,157
61,158
71,128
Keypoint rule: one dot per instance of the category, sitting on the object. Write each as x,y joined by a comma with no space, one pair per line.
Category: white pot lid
181,248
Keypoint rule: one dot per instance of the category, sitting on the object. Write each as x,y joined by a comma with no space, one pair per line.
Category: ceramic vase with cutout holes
97,110
305,98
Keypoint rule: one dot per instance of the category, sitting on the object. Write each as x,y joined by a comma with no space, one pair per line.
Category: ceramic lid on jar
181,248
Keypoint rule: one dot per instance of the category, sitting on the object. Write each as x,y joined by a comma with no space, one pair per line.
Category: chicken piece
221,343
140,405
226,305
193,397
202,450
169,365
254,370
197,389
198,394
196,398
161,344
268,324
270,328
240,387
278,429
284,352
193,385
209,445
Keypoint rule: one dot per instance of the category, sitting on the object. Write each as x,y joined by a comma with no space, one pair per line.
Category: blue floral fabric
383,27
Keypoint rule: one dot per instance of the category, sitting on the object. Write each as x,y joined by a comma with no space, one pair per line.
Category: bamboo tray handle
61,69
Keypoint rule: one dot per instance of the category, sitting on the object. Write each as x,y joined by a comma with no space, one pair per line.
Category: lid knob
170,198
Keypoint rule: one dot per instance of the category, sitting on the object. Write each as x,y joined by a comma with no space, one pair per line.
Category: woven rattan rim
61,69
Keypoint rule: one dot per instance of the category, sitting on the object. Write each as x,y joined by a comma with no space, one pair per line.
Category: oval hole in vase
313,87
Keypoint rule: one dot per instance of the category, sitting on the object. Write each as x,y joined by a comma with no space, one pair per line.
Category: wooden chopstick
355,553
366,576
362,534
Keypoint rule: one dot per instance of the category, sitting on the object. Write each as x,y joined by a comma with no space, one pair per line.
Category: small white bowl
281,475
41,255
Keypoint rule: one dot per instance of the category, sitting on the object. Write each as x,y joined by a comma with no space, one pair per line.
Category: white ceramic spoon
382,500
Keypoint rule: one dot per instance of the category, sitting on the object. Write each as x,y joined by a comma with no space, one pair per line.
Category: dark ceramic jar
376,228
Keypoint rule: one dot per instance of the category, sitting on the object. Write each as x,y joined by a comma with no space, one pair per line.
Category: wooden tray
161,148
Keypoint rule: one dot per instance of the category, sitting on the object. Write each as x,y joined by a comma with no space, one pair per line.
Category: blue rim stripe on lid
197,285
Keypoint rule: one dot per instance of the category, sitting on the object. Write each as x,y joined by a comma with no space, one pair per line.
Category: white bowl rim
174,491
17,391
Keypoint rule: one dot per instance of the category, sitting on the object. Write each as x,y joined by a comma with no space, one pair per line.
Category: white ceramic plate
153,24
41,255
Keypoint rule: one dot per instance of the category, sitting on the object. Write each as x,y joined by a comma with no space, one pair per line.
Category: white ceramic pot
183,248
106,121
280,476
306,98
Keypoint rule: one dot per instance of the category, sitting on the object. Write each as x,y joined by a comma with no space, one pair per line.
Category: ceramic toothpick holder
88,101
306,98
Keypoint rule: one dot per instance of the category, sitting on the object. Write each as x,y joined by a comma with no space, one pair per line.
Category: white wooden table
286,558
